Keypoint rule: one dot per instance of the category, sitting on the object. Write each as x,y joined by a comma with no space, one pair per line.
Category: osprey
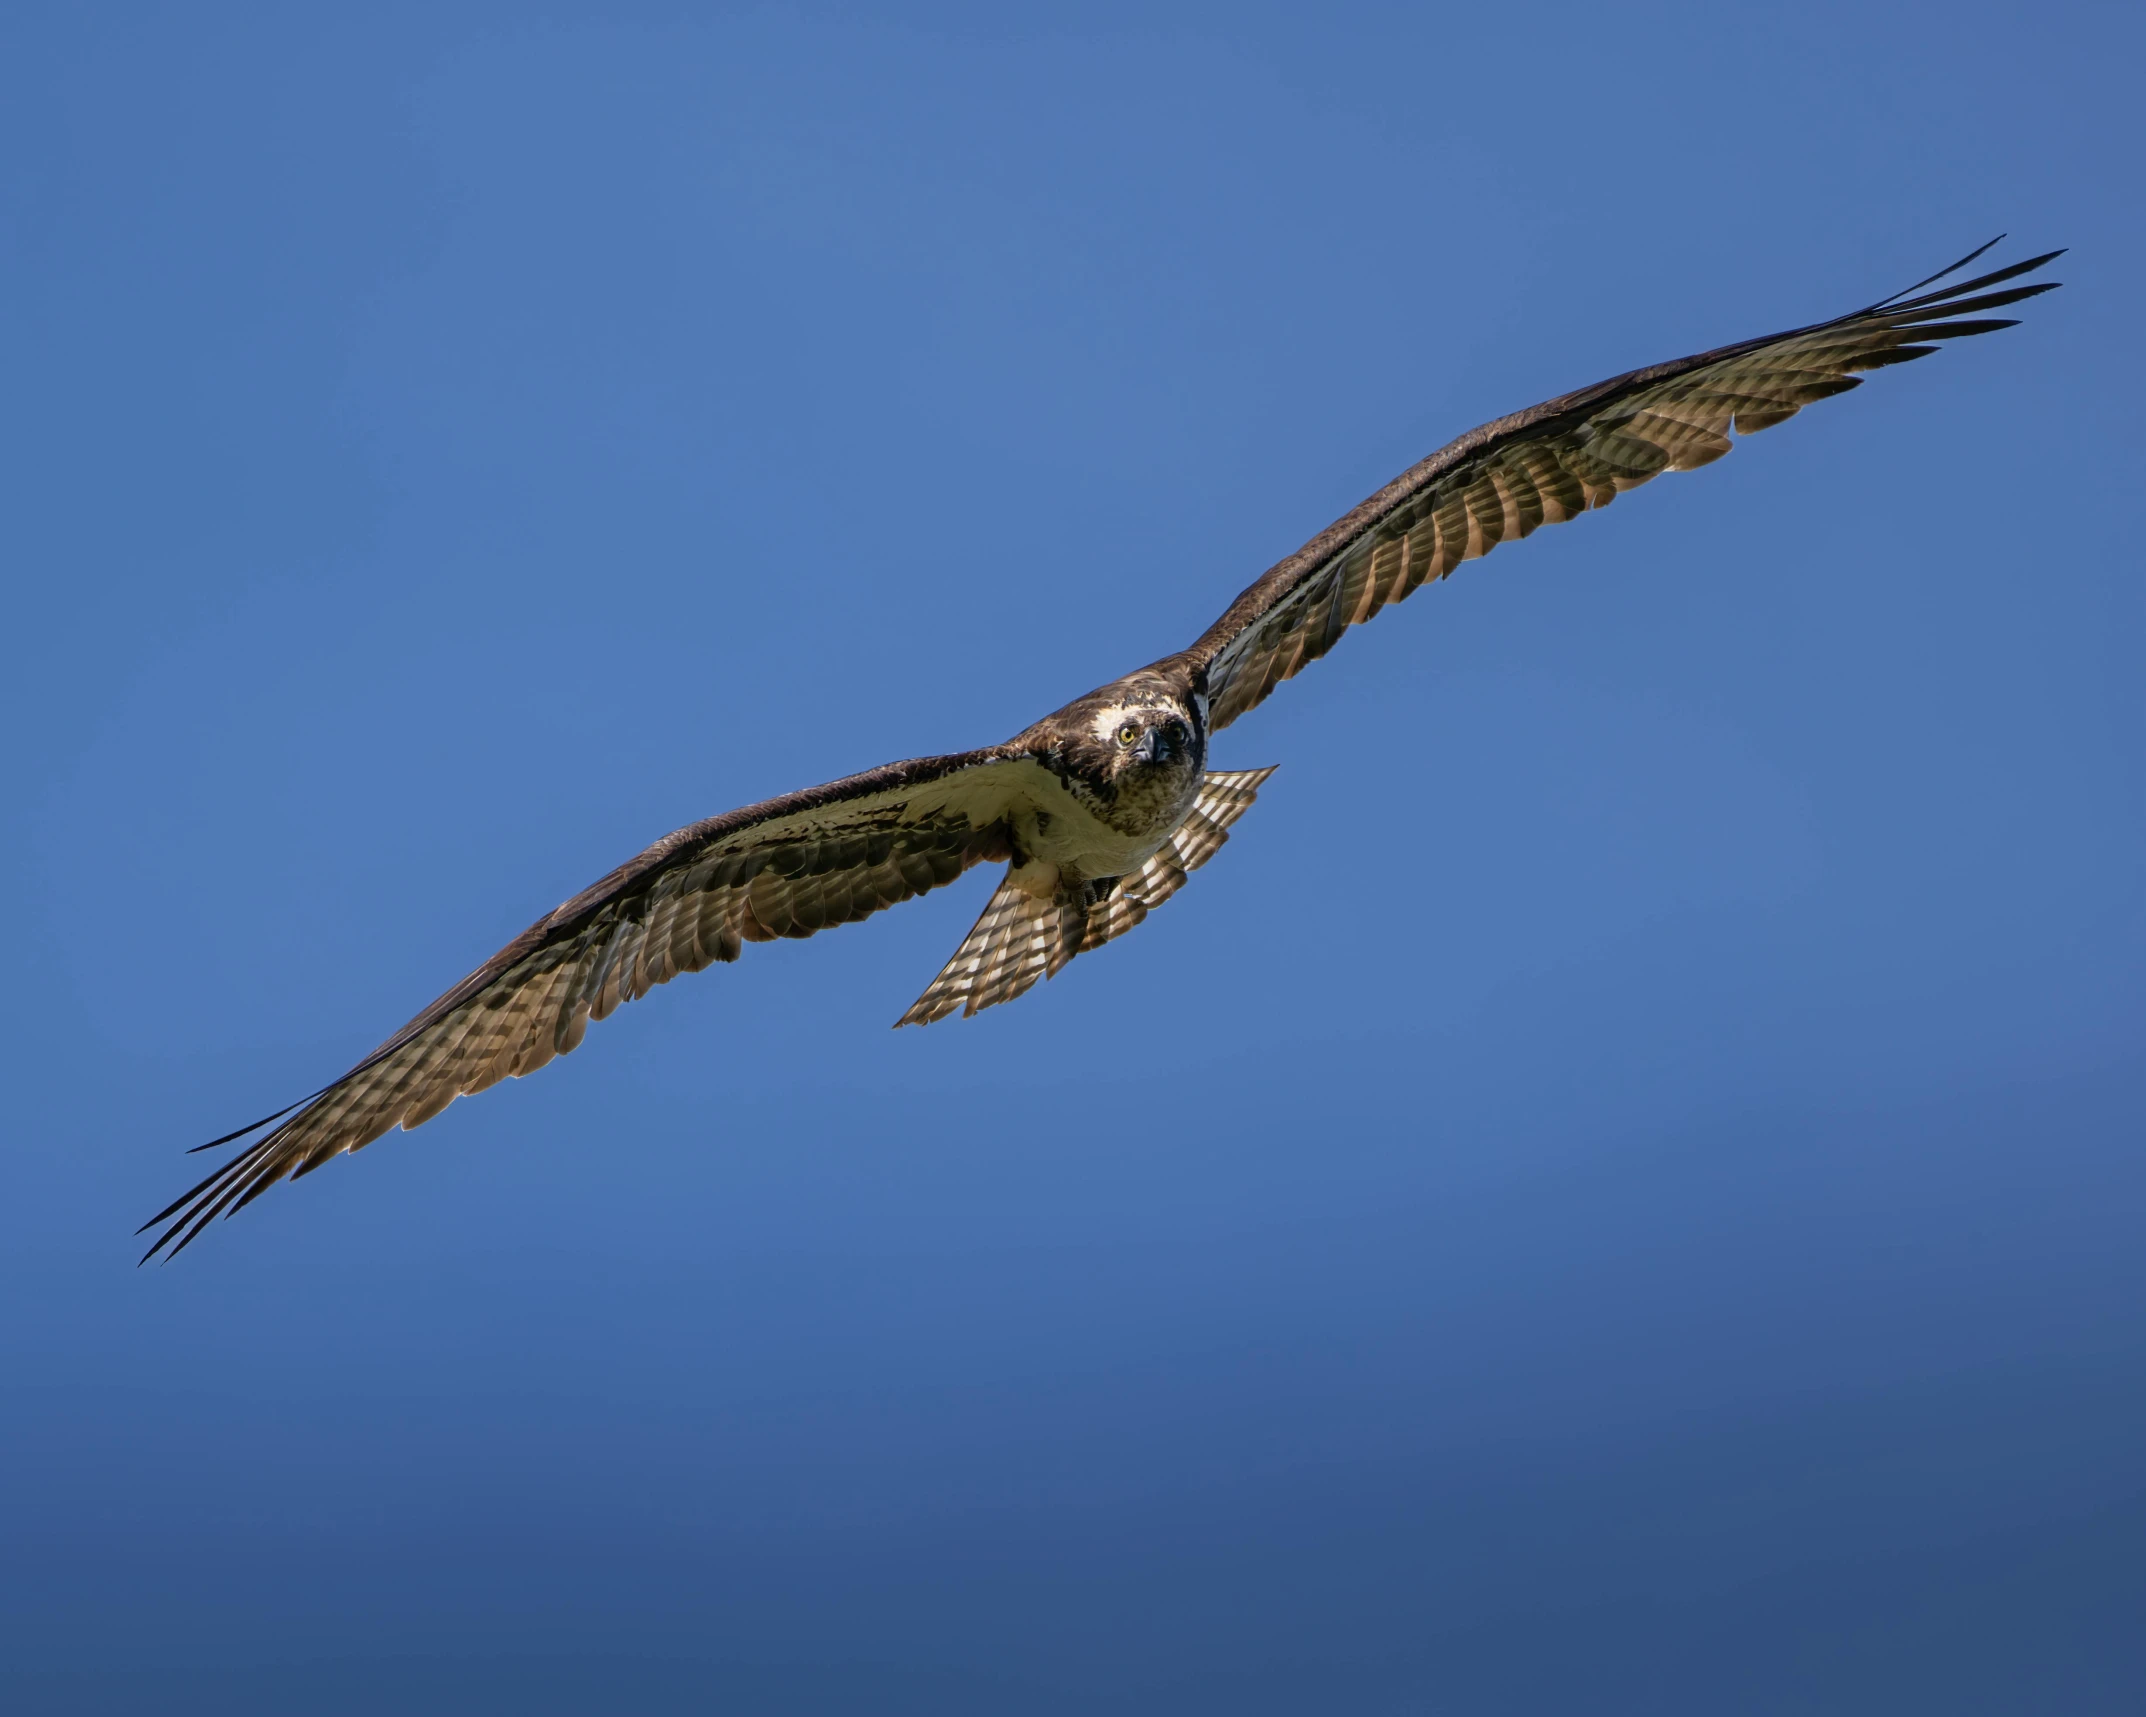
1102,809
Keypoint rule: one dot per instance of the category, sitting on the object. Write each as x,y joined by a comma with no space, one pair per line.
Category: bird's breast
1077,832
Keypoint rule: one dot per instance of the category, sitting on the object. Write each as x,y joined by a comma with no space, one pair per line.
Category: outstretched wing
1551,463
789,867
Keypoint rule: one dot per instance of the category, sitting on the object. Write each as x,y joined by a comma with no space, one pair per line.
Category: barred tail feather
1036,922
1224,796
1022,936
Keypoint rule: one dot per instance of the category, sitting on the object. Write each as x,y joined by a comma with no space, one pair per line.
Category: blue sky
1619,1189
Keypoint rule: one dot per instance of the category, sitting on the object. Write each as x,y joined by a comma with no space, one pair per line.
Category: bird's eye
1127,734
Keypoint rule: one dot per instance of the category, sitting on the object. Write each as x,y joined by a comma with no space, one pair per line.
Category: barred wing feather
1543,466
787,868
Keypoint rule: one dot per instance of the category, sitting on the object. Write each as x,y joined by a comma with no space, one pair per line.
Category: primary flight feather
1100,810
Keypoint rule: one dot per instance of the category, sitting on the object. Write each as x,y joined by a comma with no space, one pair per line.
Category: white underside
1072,837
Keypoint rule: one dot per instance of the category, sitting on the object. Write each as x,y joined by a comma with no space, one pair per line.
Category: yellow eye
1127,734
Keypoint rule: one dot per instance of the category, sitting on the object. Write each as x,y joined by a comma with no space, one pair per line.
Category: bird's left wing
789,867
1554,461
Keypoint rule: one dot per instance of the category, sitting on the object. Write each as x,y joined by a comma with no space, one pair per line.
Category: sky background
1621,1189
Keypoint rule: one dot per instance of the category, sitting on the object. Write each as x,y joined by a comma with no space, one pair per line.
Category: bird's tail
1038,921
1030,930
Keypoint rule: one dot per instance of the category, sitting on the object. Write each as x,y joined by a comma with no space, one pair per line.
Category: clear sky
1621,1189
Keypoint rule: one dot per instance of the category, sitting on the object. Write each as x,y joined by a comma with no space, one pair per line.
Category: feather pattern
789,867
1028,930
1551,463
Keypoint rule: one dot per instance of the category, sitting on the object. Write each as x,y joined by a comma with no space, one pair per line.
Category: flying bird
1101,810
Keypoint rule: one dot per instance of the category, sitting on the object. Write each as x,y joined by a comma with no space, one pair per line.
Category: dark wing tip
243,1178
1961,330
179,1212
1949,268
201,1197
189,1215
1900,301
196,1150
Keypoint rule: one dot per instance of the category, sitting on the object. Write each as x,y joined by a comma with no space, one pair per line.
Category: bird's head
1136,749
1144,737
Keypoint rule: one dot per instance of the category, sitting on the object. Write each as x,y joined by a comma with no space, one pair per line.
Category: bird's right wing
1554,461
788,867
